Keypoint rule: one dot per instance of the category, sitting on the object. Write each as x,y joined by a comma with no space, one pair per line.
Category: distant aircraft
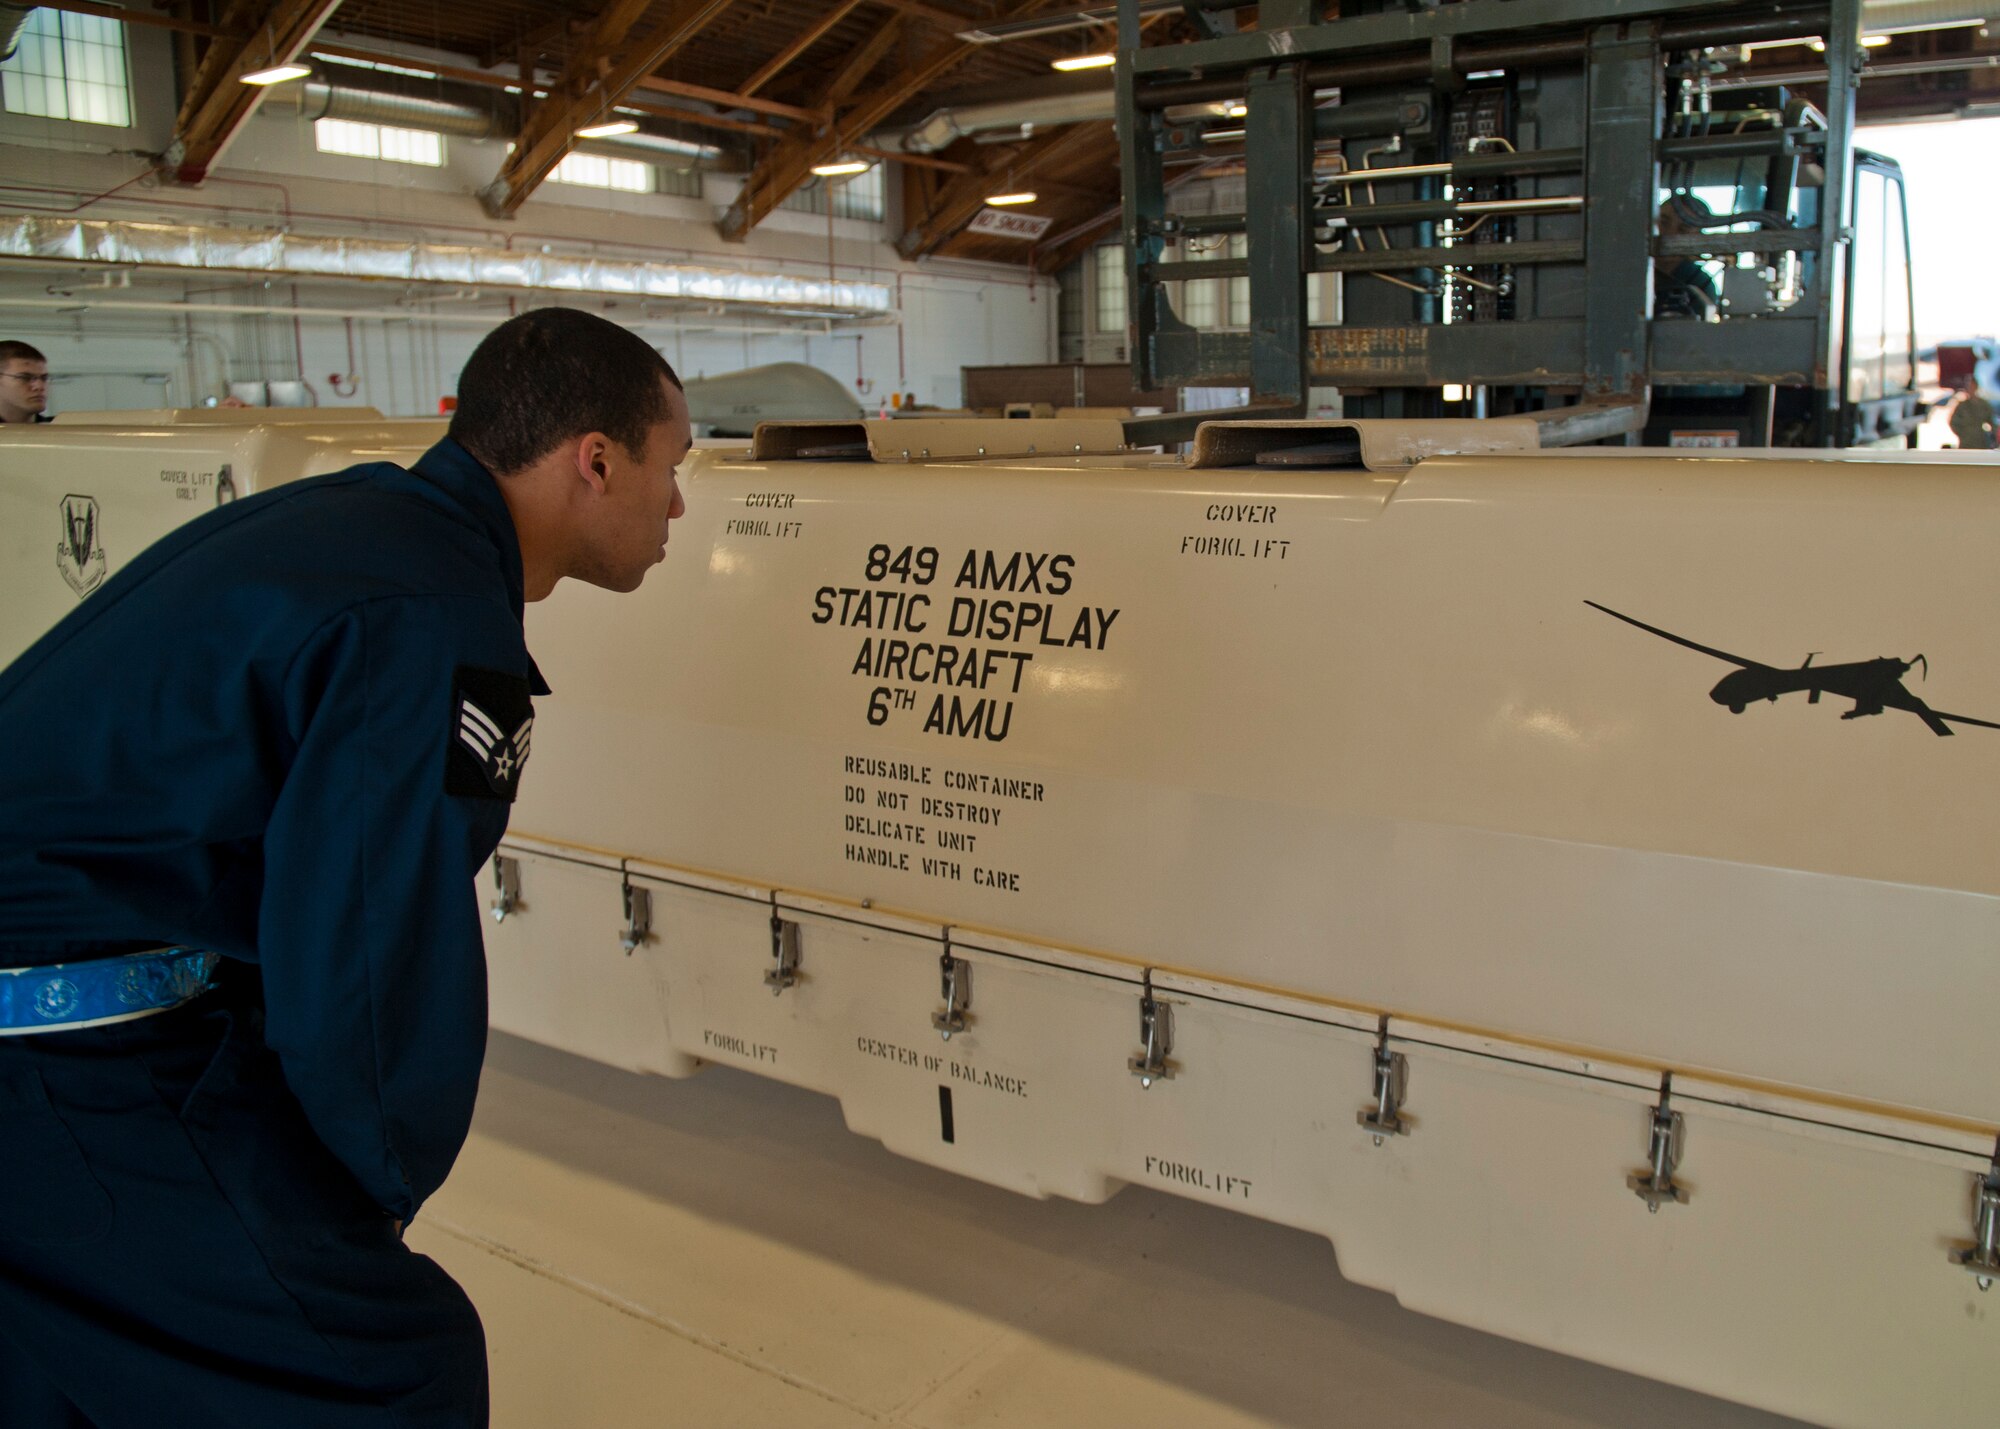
1873,685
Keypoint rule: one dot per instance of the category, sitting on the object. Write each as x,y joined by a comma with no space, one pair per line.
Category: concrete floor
721,1252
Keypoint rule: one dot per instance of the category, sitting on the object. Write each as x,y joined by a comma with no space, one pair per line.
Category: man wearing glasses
24,384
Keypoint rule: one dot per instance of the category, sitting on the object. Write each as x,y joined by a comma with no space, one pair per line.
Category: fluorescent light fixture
379,66
1236,111
1453,392
1075,62
609,129
1488,74
278,74
1873,42
841,168
1002,199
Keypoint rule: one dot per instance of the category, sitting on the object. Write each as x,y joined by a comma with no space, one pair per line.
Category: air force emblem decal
492,724
80,552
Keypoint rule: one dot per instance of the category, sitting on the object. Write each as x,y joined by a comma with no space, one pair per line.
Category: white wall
409,342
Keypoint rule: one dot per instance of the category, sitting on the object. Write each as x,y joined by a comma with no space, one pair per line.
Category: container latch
1655,1185
955,974
1982,1257
1392,1081
638,927
784,969
1156,1030
506,886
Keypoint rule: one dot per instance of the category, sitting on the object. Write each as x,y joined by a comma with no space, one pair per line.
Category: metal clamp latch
638,917
1982,1257
784,969
956,976
1156,1030
506,886
1392,1081
1655,1185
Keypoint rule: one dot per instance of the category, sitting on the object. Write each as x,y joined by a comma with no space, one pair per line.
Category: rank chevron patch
493,725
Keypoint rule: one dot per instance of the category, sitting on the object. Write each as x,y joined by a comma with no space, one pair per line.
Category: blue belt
62,997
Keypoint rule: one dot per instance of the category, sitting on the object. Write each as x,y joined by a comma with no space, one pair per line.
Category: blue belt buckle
62,997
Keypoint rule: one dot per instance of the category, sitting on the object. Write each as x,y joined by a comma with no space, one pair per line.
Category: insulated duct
469,112
954,122
271,252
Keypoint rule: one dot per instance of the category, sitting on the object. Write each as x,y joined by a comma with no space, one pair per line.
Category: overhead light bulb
1875,42
610,128
278,74
1027,197
1074,62
1236,111
842,167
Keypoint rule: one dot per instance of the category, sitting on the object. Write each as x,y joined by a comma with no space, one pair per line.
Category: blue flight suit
290,733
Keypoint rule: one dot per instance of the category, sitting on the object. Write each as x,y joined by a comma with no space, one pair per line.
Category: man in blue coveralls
244,792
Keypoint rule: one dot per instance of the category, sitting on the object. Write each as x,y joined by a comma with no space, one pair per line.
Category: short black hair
555,373
12,351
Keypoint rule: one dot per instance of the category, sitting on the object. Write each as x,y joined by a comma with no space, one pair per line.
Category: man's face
24,389
641,496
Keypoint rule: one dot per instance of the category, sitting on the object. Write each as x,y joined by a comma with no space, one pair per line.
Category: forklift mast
1521,205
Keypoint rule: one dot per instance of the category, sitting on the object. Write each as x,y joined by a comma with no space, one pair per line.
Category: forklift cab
1873,401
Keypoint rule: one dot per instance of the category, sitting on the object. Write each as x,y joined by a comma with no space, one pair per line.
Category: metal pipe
1941,65
1472,166
1372,214
1757,144
1470,255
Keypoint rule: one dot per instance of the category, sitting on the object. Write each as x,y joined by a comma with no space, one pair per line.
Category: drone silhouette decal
1874,685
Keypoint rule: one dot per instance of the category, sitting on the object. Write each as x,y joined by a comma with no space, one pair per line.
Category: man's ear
591,452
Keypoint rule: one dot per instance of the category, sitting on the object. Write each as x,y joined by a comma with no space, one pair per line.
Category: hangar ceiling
783,85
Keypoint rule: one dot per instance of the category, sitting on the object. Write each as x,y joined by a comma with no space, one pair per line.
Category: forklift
1529,205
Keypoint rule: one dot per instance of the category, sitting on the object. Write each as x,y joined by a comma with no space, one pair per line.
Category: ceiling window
379,141
69,67
592,172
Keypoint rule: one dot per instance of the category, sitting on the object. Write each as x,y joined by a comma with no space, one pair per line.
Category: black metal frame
1396,69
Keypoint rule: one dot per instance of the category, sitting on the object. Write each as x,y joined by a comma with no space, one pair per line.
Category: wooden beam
602,69
233,21
217,101
914,161
859,64
965,195
791,162
733,100
799,46
136,17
